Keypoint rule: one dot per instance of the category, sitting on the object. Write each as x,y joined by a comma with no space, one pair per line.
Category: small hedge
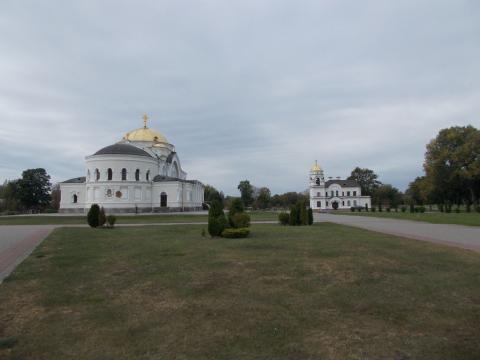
233,233
111,220
283,218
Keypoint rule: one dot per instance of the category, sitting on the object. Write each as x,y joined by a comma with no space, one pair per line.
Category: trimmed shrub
388,209
403,208
421,209
92,216
217,222
240,220
111,220
366,207
310,216
284,218
102,218
235,233
373,209
352,209
236,206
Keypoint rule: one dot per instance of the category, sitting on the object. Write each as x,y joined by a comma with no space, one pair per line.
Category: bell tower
317,179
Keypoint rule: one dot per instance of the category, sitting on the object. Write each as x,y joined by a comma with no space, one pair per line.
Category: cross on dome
145,119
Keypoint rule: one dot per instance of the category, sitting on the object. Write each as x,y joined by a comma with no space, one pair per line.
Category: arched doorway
163,199
335,205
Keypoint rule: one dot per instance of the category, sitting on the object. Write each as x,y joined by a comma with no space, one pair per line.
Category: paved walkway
18,241
466,237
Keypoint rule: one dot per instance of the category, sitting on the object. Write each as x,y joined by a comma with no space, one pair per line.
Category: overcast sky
244,89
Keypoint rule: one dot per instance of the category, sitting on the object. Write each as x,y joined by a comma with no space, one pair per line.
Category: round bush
240,220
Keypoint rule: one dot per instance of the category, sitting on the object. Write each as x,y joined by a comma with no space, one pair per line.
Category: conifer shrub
92,215
303,213
283,218
310,216
235,233
111,220
102,217
217,222
293,216
366,207
240,220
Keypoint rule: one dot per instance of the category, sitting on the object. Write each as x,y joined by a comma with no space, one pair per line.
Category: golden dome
316,167
145,134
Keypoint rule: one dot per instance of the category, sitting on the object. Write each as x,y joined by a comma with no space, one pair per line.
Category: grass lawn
320,292
471,219
124,219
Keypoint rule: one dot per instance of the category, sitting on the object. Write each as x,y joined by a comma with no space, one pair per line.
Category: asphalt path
466,237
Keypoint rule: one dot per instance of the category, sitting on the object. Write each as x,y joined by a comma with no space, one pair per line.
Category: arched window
124,174
348,203
137,175
317,181
97,175
147,176
109,174
163,199
75,198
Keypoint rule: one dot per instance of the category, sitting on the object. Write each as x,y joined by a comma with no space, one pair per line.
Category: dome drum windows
109,174
147,175
124,174
137,175
97,175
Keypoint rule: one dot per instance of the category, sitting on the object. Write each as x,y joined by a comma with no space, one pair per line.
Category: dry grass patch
325,291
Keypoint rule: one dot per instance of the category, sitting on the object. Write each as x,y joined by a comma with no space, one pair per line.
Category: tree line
32,192
451,170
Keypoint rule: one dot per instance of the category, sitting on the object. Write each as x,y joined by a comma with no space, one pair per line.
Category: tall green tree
246,192
387,194
418,191
452,165
366,178
9,195
263,199
34,189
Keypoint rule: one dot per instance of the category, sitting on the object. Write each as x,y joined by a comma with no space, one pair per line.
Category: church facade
140,173
334,194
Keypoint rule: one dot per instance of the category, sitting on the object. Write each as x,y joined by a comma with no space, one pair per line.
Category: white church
140,173
334,194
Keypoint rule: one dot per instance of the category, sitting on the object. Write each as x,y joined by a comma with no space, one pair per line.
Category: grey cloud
247,89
